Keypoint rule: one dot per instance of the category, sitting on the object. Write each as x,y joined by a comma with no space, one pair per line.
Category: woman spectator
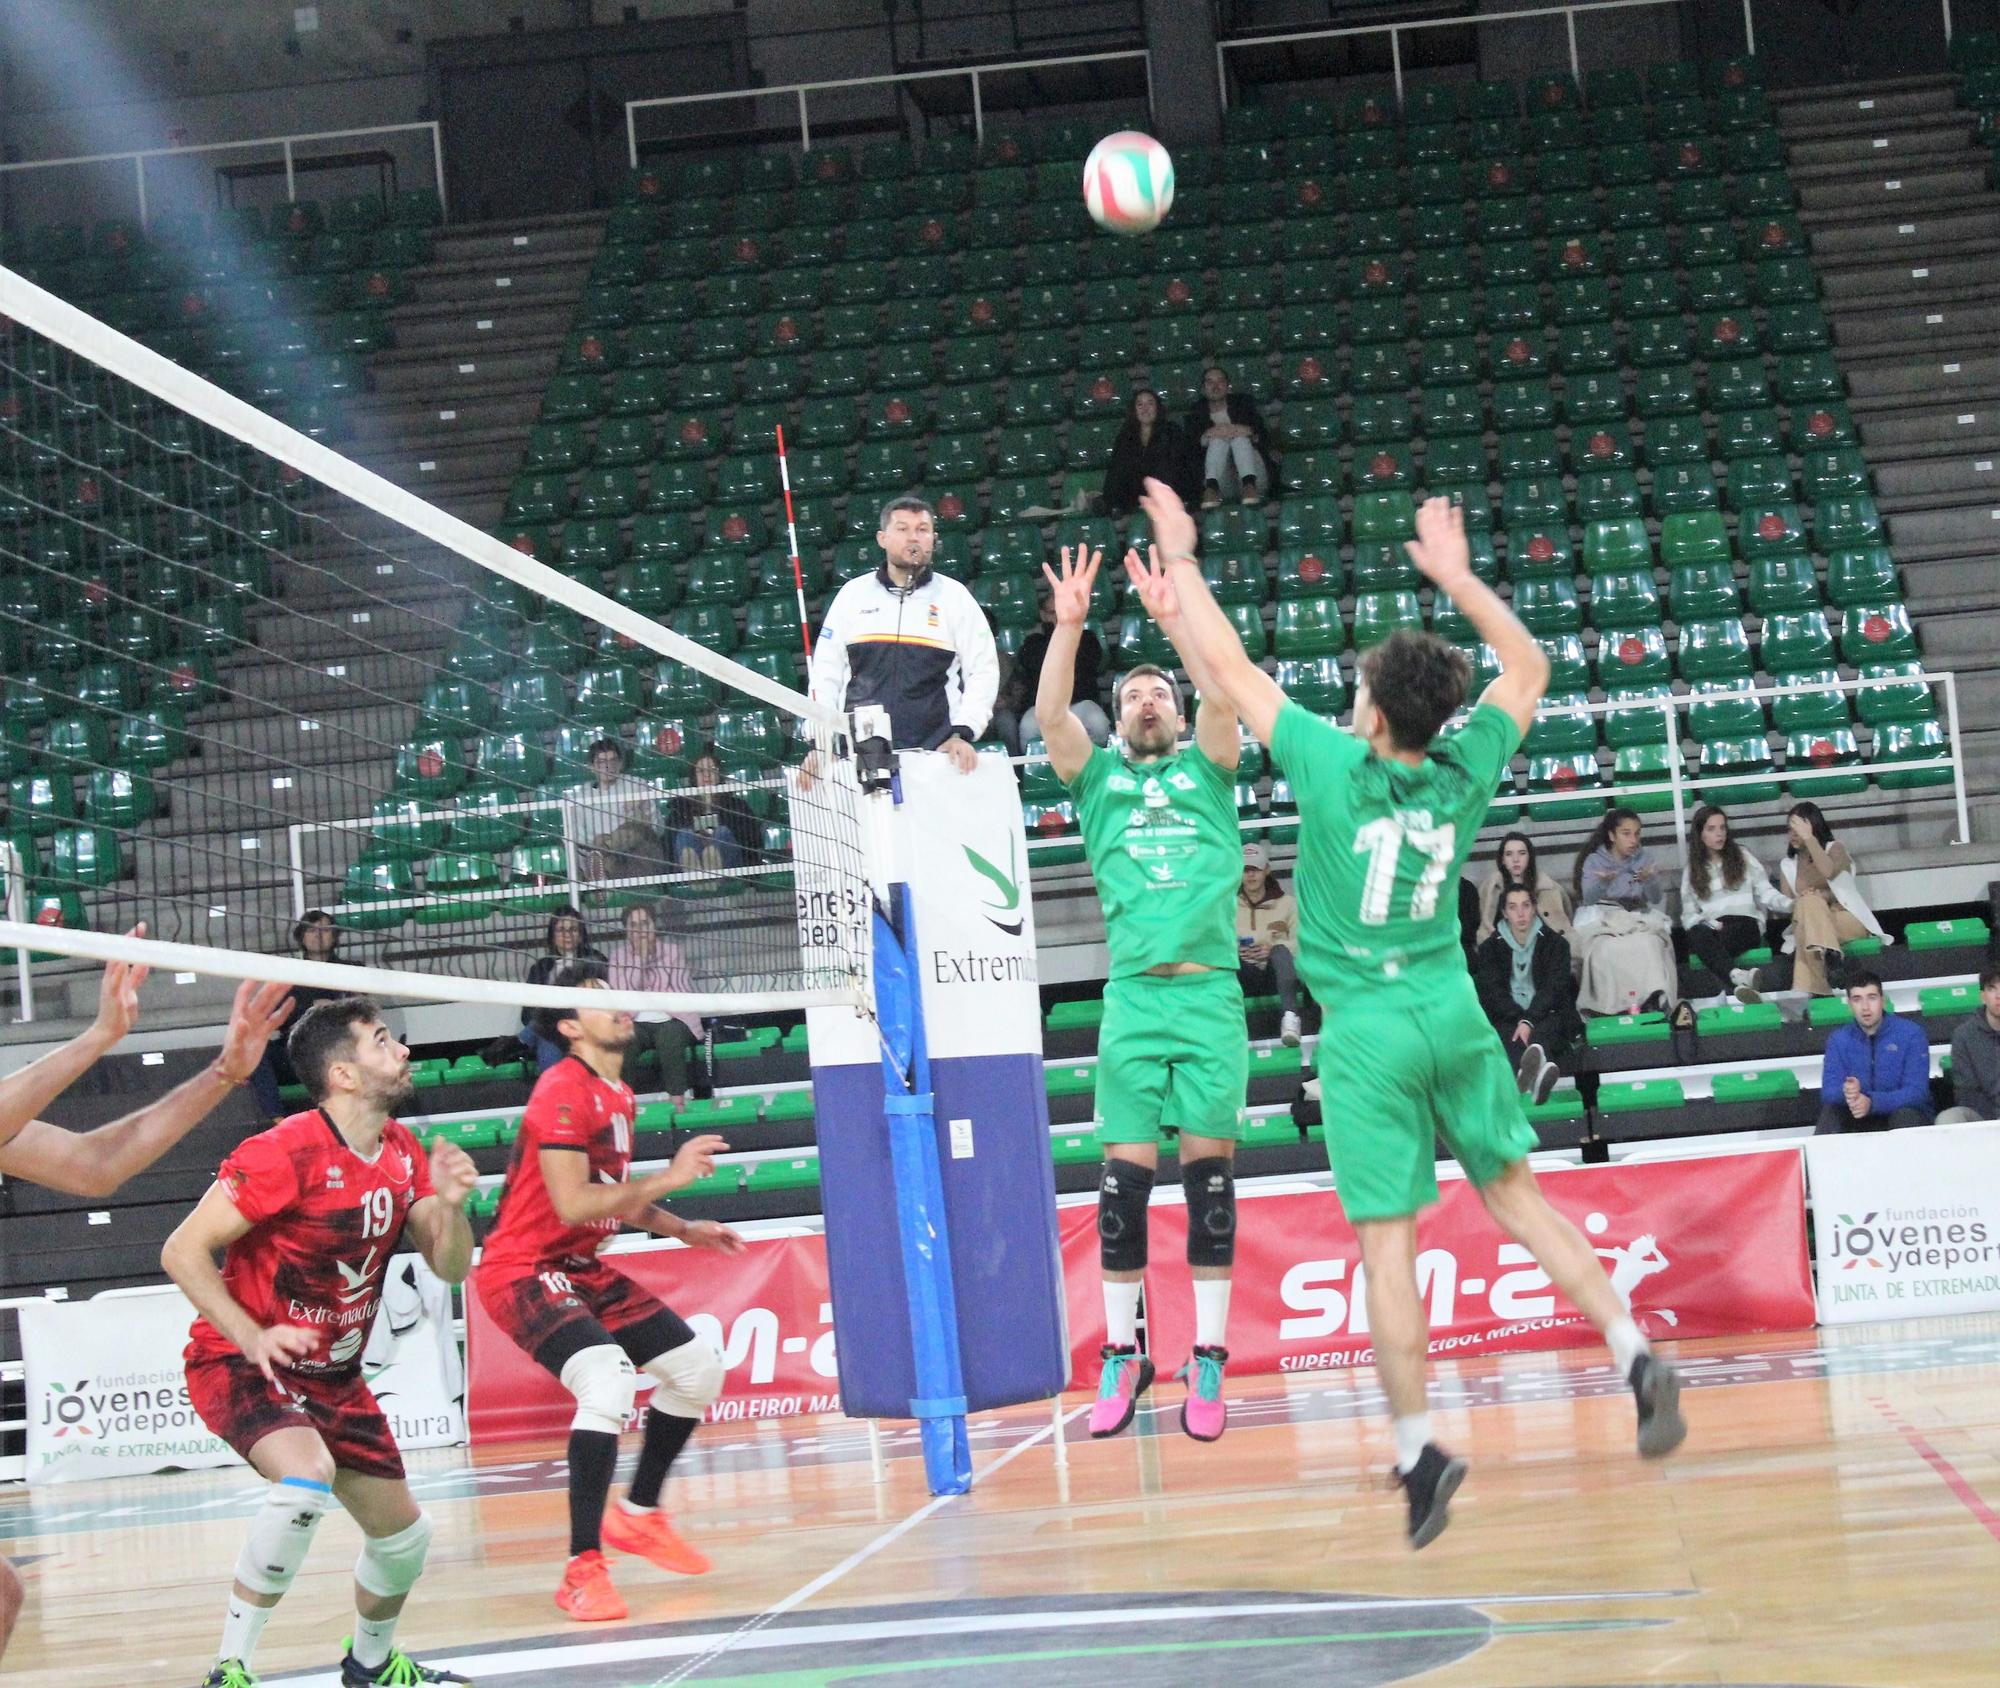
649,961
1828,910
317,935
567,938
1515,863
1148,444
1266,928
1725,895
1625,947
1528,991
711,828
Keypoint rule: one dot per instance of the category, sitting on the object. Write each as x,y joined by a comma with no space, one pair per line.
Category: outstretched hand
1070,590
1173,527
1154,586
1440,550
260,1008
118,993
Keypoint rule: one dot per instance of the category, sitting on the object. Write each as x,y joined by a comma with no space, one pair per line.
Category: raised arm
95,1163
1065,736
26,1093
1445,560
1201,634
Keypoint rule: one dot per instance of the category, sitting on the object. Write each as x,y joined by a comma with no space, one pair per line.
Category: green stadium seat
1876,633
1910,741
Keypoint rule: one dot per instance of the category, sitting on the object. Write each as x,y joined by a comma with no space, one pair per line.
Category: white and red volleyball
1128,183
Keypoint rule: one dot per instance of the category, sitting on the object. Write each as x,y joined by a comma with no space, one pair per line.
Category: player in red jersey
96,1162
306,1216
541,1281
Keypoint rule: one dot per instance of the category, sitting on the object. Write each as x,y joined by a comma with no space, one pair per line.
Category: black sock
593,1457
666,1435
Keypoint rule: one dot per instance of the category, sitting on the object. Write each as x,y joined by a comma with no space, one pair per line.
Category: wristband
1183,557
215,1069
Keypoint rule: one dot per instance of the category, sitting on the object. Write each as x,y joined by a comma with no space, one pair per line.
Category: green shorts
1397,1075
1173,1050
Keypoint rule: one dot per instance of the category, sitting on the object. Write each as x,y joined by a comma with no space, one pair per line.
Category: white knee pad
390,1565
690,1377
603,1382
281,1534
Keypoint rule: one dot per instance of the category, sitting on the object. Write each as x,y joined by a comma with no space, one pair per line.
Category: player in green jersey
1159,826
1387,815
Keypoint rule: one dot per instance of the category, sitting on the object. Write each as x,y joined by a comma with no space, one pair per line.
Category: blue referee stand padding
935,1172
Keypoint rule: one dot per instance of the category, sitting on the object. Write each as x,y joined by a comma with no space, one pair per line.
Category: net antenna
246,677
792,538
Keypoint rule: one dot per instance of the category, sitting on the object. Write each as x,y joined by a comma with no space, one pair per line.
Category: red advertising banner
1707,1247
1700,1248
766,1311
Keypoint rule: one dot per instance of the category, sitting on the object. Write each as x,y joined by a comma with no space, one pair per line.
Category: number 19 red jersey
323,1224
572,1108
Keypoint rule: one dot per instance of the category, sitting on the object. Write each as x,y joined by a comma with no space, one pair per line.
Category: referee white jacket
923,652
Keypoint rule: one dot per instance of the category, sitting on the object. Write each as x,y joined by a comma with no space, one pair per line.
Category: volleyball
1128,183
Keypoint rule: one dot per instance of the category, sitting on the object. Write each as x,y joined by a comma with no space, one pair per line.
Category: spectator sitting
711,828
1876,1073
1528,991
1625,948
1148,445
1234,442
317,936
1975,1058
1725,895
1828,910
567,939
1515,863
1017,697
1266,928
614,821
647,961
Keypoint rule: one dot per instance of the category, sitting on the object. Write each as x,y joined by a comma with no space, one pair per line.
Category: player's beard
1155,740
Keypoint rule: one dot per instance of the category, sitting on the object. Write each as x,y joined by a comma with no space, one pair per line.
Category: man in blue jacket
1877,1071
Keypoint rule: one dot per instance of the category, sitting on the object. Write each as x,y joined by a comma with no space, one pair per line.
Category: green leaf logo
1006,882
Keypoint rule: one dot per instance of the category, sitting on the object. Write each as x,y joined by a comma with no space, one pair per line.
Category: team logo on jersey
564,1116
354,1279
335,1178
349,1345
934,615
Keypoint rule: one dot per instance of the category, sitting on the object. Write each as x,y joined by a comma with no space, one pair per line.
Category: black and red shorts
242,1406
554,1315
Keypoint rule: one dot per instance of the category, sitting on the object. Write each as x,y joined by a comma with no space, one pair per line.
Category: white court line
863,1554
525,1661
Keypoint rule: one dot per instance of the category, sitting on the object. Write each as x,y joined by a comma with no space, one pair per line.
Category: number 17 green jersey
1381,844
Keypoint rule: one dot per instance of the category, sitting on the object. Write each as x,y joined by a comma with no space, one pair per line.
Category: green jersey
1380,848
1167,855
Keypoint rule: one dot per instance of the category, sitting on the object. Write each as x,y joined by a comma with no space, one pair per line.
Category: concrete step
501,407
1807,113
473,325
1867,240
1950,532
557,276
1888,146
1949,585
443,378
1912,282
1915,434
1868,191
1861,328
569,235
1933,482
219,804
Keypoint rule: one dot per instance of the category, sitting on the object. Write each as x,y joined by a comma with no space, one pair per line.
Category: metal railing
1458,20
286,147
1678,783
14,880
972,73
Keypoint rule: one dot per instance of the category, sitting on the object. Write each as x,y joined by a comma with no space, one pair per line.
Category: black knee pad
1122,1196
1211,1203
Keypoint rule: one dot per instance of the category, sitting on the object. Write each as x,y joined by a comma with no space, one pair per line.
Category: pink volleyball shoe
1128,1374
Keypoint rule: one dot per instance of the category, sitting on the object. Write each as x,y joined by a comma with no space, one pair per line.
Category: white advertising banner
107,1396
962,851
1906,1222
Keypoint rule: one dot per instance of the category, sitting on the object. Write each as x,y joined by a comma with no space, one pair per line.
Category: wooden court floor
1832,1522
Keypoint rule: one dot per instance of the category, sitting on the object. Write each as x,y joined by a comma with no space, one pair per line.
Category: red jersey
323,1224
571,1108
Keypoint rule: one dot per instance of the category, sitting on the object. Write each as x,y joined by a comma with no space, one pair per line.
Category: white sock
1413,1435
242,1628
632,1508
1121,1314
372,1640
1211,1312
1626,1343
